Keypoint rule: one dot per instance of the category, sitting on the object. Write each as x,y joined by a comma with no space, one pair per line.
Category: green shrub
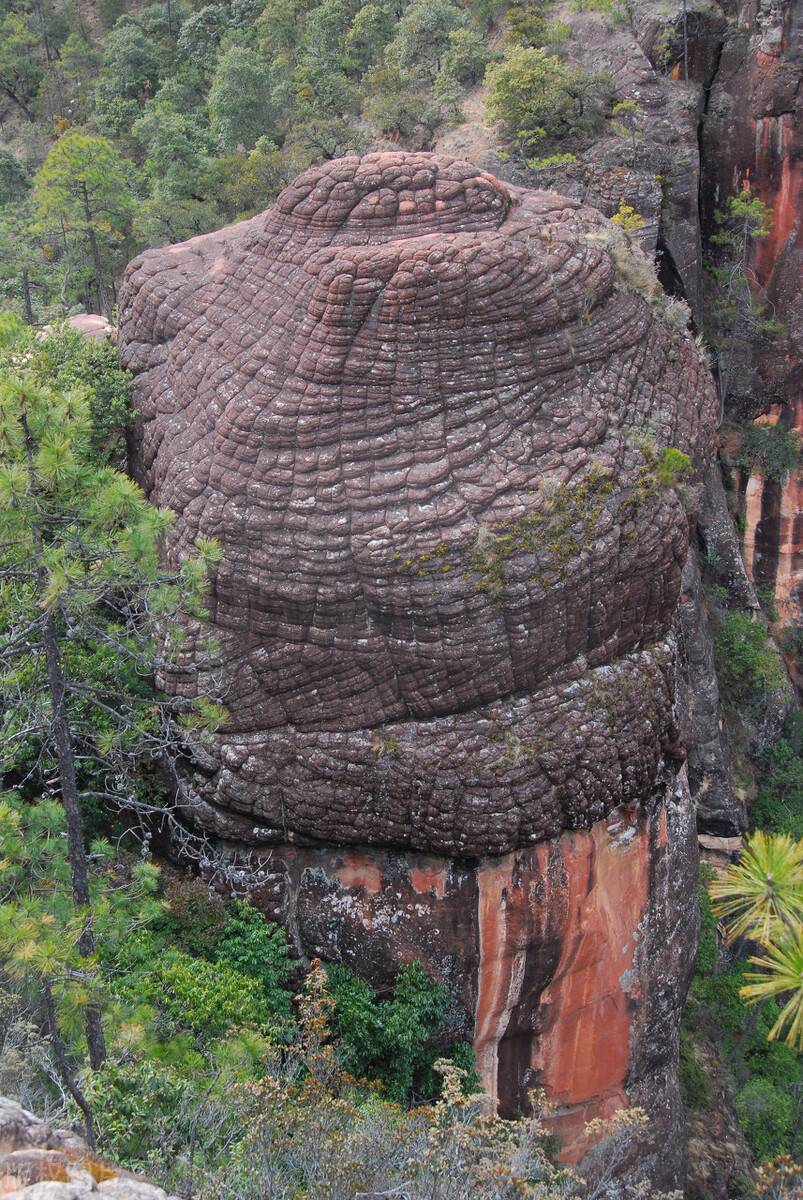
720,1005
779,805
194,917
530,89
672,465
529,25
707,940
748,665
69,360
767,1115
693,1080
769,450
615,10
205,998
763,1072
136,1106
258,949
387,1039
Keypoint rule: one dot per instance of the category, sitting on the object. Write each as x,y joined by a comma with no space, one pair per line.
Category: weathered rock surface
720,809
407,401
567,962
424,414
38,1162
752,138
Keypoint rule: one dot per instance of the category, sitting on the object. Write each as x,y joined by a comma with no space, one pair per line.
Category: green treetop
81,195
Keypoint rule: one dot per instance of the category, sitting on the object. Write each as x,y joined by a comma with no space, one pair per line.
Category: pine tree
81,196
84,604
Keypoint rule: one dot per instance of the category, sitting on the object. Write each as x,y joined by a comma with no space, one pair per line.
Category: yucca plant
780,974
761,896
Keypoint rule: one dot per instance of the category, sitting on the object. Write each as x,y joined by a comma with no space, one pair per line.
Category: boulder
39,1162
437,424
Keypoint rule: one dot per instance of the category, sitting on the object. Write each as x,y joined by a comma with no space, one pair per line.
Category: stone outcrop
566,962
38,1162
719,809
429,416
751,138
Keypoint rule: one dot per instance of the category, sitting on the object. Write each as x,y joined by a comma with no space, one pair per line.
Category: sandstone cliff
437,424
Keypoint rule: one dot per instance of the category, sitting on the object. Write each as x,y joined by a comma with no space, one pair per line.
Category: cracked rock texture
408,401
423,412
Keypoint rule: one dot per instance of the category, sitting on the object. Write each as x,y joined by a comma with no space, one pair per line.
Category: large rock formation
752,138
431,420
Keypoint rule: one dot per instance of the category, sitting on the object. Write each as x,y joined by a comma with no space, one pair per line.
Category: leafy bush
205,998
387,1039
69,360
693,1080
194,916
707,940
762,1071
748,665
615,10
258,949
769,450
529,25
767,1115
779,805
531,89
136,1104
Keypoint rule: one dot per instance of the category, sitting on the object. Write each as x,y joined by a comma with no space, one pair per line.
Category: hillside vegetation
128,128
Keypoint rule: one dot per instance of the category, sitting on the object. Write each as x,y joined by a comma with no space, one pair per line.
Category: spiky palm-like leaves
761,896
781,975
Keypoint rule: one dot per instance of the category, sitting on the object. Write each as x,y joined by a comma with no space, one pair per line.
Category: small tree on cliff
738,314
83,601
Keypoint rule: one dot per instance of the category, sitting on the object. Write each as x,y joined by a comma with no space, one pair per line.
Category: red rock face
752,139
566,963
412,405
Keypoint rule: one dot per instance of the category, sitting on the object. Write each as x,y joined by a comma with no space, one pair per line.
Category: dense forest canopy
128,126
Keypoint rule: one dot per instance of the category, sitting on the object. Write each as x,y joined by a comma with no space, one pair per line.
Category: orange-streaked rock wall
566,963
753,139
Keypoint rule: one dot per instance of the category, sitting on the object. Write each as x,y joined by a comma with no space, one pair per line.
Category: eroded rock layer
566,963
433,421
425,418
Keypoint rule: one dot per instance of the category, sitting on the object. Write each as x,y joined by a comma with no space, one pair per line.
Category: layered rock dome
426,415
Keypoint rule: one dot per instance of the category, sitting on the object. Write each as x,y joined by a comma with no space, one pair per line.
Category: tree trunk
65,754
15,99
62,1066
105,306
26,297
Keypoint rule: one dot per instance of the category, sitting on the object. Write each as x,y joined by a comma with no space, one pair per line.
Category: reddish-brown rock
407,400
566,963
752,138
422,412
